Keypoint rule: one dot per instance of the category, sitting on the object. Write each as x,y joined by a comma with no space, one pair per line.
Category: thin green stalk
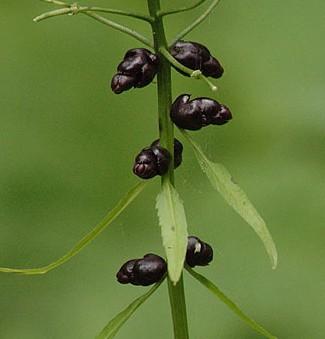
54,13
74,9
56,2
166,130
195,23
197,74
182,9
119,12
121,28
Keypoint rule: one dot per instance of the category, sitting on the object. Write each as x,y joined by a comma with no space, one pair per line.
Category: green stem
166,132
178,308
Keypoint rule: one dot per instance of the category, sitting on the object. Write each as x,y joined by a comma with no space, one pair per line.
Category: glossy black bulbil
146,271
155,160
197,113
196,57
198,252
145,165
178,151
137,69
151,161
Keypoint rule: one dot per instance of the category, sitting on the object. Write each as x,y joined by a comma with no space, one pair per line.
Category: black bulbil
196,57
137,69
197,113
198,252
144,272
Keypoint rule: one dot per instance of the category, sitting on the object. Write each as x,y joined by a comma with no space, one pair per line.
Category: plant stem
166,132
166,129
178,308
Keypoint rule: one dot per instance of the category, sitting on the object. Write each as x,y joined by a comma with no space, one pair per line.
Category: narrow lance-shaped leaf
111,329
108,219
173,224
222,181
221,296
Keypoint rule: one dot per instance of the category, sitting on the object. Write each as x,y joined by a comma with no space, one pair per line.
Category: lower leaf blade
221,296
173,224
114,325
99,228
222,181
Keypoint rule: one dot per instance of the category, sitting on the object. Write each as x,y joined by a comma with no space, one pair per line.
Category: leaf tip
174,276
273,254
275,262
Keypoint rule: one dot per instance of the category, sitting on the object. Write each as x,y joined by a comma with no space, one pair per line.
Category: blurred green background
67,146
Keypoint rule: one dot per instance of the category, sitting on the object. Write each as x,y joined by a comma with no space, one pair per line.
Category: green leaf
108,219
220,295
223,182
111,329
173,224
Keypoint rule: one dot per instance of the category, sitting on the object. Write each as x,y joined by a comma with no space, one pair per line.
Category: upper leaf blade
173,224
222,181
114,325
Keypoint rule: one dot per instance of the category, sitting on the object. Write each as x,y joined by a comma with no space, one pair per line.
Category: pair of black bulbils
140,66
152,268
155,160
186,114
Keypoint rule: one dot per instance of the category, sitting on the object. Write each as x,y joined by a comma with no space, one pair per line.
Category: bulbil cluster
137,69
196,57
197,113
198,252
152,268
155,160
146,271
